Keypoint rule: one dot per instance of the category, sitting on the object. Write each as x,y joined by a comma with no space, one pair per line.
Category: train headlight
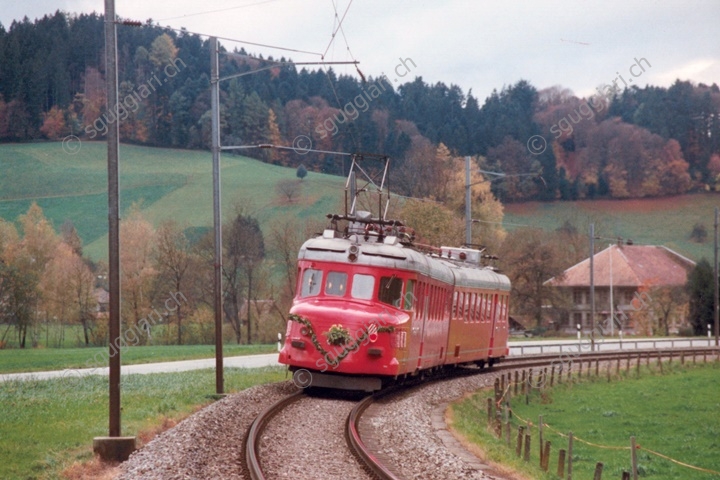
353,253
304,331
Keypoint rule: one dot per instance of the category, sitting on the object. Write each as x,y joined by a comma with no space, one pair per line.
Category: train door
423,322
493,322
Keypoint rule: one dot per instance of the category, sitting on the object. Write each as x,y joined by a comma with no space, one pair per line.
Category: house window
578,297
577,319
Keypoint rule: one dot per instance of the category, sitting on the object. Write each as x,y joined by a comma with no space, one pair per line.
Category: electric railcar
370,307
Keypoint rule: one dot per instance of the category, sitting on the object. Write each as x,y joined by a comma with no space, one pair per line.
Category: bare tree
244,251
173,258
668,302
288,190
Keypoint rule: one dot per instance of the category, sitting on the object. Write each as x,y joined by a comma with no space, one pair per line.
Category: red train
372,307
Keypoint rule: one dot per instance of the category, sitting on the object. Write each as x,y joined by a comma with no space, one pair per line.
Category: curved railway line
372,461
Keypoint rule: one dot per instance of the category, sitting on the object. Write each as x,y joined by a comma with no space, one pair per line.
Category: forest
629,143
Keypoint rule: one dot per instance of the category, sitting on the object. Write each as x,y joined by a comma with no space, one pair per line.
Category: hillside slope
660,221
170,184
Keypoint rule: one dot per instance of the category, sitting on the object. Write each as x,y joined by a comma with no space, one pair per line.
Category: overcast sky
478,45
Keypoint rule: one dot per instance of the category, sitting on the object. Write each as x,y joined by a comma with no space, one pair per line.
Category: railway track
373,461
385,472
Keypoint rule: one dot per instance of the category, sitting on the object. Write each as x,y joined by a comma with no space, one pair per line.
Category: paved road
526,347
604,345
247,361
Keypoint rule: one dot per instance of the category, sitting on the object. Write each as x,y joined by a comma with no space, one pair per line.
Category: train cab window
390,291
336,284
363,286
311,281
409,298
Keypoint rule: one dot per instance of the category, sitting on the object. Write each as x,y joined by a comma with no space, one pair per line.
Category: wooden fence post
598,471
569,455
524,384
520,436
546,457
560,372
516,383
597,367
637,367
552,375
617,367
580,371
561,463
627,368
489,410
540,438
528,439
625,475
633,458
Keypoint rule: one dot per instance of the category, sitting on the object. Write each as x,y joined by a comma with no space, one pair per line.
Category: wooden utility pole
217,217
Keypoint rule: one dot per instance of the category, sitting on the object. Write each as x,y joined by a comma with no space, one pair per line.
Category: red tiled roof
632,266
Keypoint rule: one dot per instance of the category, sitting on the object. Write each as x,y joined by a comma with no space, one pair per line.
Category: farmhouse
638,289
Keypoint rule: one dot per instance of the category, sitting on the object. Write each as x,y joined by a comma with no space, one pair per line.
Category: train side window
476,313
336,284
363,286
390,290
409,299
311,281
488,307
473,307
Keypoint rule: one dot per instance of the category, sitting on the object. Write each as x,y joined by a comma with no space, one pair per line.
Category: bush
699,233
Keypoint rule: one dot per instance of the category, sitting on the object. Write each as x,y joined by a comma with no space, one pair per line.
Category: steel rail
375,466
252,443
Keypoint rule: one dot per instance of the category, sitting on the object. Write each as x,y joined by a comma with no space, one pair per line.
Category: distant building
102,297
642,277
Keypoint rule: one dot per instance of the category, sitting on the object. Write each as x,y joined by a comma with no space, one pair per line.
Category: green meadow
46,426
674,414
664,221
177,184
169,184
44,359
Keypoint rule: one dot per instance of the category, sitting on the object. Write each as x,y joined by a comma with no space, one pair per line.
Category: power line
245,42
332,37
216,11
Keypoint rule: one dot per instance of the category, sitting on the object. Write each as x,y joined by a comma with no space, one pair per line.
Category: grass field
674,414
171,184
661,221
177,184
43,359
48,425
